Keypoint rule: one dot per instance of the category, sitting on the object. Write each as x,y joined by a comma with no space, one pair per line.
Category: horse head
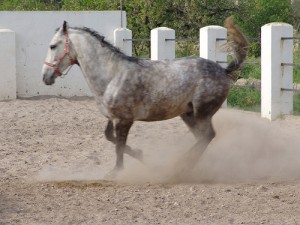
60,56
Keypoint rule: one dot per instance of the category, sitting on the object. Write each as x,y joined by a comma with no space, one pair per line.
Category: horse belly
159,112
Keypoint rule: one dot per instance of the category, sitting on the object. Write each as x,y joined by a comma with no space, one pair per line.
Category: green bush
251,70
296,69
254,49
244,98
249,99
29,5
297,104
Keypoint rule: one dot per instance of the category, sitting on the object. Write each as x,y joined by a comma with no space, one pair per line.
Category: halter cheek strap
65,53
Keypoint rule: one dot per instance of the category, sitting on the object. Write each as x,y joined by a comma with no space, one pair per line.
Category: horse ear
65,27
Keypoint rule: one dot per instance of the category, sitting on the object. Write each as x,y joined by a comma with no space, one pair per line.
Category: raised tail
238,45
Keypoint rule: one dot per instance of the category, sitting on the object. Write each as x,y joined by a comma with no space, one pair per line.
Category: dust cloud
247,148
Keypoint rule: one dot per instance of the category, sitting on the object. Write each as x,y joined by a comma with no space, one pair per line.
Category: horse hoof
112,175
139,155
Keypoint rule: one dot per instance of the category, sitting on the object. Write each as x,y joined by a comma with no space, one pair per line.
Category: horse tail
238,44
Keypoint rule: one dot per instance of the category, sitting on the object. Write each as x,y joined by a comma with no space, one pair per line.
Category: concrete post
212,40
123,40
275,76
162,43
8,82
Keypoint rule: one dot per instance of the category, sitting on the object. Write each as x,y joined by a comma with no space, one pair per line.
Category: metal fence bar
287,89
170,39
290,89
185,39
259,88
290,64
196,40
137,39
290,38
253,38
253,63
246,86
182,40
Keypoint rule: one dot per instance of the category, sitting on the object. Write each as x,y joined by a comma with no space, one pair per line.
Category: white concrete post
123,40
162,43
275,76
8,82
212,40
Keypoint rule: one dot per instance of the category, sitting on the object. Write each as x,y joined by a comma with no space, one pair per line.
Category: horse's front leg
109,134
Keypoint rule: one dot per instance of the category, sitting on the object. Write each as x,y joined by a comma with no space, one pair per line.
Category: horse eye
52,47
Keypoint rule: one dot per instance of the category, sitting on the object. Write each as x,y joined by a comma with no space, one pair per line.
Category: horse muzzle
49,79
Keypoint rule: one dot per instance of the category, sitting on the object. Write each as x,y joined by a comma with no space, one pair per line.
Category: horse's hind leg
109,134
201,127
203,131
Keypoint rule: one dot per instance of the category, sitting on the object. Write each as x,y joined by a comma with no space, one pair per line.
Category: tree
185,16
296,14
256,13
29,5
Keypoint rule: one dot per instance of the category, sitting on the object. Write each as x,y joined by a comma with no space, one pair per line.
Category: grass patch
250,100
244,98
296,69
251,70
296,104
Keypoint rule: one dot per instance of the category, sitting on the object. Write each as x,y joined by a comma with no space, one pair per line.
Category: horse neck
97,63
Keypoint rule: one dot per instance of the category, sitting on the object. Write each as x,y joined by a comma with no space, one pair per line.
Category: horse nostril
45,78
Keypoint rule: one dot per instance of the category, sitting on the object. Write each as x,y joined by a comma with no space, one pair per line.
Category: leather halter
65,53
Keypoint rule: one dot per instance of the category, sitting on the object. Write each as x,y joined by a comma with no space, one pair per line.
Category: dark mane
107,44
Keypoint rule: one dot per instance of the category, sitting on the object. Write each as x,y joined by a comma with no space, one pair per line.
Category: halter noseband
65,53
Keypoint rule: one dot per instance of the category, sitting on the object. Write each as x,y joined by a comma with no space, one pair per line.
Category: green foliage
296,14
79,5
256,13
243,98
29,5
297,104
296,69
251,70
185,16
254,49
184,48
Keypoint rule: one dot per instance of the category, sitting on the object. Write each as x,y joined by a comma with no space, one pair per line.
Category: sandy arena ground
53,157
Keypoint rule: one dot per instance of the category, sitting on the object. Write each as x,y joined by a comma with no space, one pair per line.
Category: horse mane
107,44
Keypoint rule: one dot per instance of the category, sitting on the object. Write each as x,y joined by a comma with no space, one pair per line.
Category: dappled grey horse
128,89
